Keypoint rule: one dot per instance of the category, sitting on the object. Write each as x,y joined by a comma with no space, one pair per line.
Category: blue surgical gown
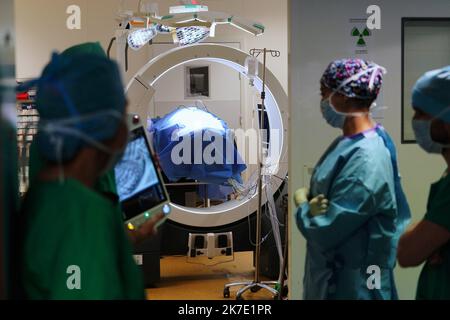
367,214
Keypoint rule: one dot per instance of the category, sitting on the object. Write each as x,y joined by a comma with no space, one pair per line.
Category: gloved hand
301,196
318,205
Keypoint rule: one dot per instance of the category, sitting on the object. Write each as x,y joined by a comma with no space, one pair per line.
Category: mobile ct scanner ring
140,92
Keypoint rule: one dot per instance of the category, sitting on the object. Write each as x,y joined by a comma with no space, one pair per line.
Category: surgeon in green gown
429,240
73,241
106,184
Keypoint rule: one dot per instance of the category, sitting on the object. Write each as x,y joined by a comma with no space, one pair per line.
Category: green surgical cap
83,86
85,48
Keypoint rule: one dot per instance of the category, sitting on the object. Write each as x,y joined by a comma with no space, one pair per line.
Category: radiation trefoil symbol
365,33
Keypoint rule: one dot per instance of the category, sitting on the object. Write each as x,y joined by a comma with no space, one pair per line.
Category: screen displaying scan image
139,186
136,171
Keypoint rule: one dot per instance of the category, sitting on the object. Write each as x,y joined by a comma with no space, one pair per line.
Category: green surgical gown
106,184
359,233
434,281
69,228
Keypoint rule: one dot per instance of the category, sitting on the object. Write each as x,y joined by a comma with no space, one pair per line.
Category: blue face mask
422,131
331,116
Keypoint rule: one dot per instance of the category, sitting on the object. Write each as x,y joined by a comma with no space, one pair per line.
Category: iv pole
257,284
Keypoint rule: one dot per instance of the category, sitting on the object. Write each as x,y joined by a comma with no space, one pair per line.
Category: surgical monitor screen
138,184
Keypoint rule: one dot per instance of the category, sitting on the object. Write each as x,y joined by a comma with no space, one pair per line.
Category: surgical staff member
106,183
429,240
74,244
355,210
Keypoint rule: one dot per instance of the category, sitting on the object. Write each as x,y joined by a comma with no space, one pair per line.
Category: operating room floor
181,280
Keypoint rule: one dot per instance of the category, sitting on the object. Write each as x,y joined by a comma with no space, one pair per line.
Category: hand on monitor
146,230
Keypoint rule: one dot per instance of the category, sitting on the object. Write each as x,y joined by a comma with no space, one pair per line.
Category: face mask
331,116
57,128
422,131
335,118
115,157
113,160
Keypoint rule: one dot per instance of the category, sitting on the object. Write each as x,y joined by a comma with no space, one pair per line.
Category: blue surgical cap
86,89
431,93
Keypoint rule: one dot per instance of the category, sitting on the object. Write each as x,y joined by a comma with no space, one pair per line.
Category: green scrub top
75,245
106,184
434,281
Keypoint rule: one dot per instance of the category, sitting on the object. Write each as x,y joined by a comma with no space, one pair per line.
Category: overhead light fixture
189,23
140,37
190,35
188,8
163,29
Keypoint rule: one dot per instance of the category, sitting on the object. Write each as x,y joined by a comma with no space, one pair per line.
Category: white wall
41,29
7,62
320,33
7,22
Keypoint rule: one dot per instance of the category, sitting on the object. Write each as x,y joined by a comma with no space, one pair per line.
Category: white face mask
55,128
115,156
422,132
